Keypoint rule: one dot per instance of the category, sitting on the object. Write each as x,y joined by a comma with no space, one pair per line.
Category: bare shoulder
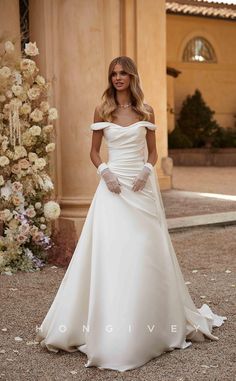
97,116
151,111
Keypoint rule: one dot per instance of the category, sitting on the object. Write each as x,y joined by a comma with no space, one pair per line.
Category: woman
123,299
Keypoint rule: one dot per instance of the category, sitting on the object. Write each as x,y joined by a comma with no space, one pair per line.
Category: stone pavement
201,196
205,179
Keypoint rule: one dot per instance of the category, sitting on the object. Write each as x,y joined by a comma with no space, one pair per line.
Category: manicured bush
196,120
196,127
177,139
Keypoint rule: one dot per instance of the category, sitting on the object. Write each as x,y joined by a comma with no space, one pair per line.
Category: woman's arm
109,177
96,141
151,140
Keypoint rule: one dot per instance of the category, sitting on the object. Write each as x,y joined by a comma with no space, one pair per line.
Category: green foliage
196,127
196,120
225,137
177,139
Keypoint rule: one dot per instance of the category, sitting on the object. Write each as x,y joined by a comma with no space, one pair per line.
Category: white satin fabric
123,299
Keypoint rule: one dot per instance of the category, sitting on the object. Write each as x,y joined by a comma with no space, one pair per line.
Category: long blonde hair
109,102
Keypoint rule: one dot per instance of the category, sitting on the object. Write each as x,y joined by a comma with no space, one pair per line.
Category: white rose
52,210
37,205
5,215
35,130
33,93
9,94
6,190
47,182
30,212
23,96
44,106
28,65
40,80
20,151
47,129
42,219
27,139
17,77
52,113
17,186
36,115
32,156
40,163
50,147
31,49
4,161
9,47
5,72
17,90
43,226
1,180
25,109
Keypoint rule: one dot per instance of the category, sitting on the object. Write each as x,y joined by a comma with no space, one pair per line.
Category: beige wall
10,21
217,82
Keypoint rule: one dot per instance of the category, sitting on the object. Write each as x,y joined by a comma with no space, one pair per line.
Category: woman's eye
121,73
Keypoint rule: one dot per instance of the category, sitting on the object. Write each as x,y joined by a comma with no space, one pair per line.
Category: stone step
178,223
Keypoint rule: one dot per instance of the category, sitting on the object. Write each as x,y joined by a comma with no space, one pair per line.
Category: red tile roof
201,8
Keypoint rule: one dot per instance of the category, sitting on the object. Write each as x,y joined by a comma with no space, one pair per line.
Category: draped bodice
126,145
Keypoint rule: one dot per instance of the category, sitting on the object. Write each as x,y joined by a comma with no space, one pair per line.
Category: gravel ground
26,297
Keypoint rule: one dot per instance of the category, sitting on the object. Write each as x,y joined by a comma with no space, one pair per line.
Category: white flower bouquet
26,189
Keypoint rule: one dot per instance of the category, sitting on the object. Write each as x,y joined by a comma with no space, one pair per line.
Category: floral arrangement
26,134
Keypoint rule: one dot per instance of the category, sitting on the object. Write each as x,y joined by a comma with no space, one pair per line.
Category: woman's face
120,79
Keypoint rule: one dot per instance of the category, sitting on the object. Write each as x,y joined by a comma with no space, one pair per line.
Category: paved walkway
184,203
200,197
205,179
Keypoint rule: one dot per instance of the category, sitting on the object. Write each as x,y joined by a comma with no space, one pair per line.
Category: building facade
77,39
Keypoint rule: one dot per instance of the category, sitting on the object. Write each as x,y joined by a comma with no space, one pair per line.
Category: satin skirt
123,300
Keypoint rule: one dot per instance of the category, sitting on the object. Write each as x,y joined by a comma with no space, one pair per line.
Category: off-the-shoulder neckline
130,125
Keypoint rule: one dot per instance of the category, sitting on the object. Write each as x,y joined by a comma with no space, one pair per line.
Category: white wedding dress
123,299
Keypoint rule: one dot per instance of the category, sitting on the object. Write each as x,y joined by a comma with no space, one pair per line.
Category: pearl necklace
125,106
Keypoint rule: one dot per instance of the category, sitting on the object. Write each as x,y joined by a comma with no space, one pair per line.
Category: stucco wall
216,81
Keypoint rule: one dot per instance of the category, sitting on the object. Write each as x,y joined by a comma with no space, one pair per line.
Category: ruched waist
126,168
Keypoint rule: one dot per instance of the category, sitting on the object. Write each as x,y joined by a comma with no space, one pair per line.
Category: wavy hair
109,102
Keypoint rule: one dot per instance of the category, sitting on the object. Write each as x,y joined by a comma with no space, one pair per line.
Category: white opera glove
111,180
141,179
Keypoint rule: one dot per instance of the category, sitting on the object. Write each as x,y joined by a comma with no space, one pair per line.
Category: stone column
144,40
77,40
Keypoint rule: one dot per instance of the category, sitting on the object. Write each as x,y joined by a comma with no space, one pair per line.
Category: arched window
198,49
